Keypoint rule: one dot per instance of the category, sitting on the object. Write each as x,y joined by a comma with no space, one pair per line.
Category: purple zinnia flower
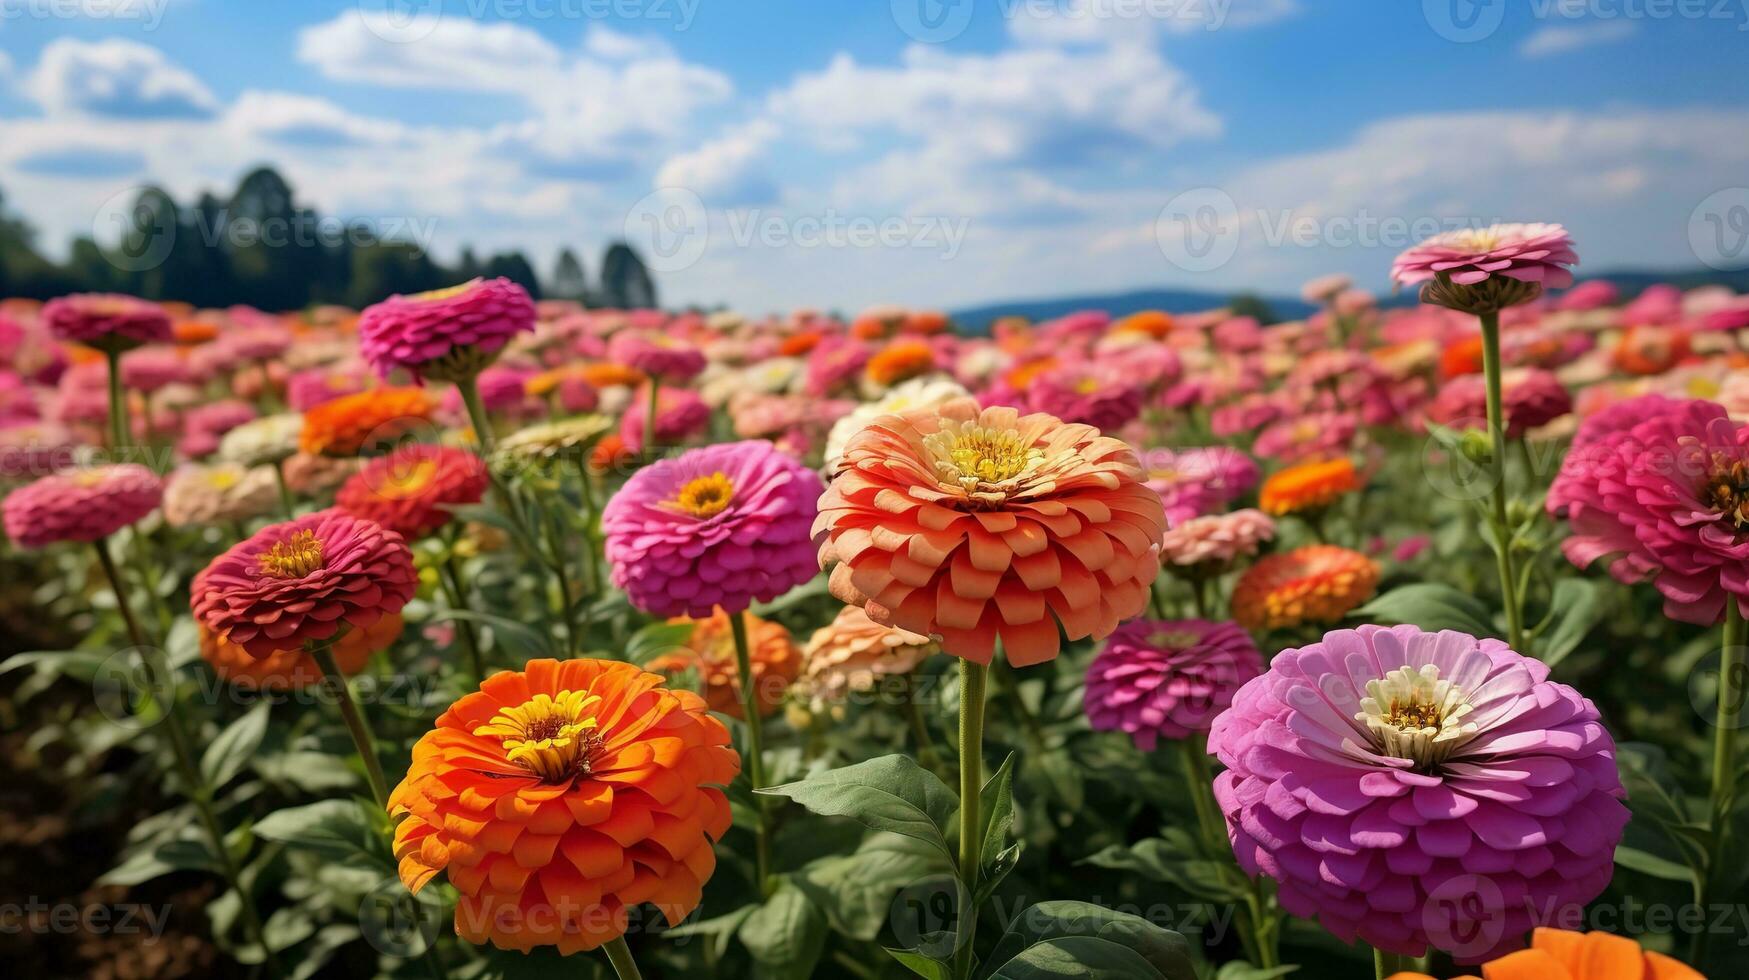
1417,789
1157,679
445,334
716,527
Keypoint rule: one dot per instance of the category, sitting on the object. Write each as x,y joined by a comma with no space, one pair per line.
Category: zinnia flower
709,651
900,361
853,652
1531,397
82,505
304,580
680,415
1560,954
294,669
108,321
1198,481
1318,583
925,392
1217,540
205,495
370,419
264,441
656,354
1308,486
1157,679
971,524
1416,788
717,526
1483,270
411,490
1087,394
446,334
558,797
564,440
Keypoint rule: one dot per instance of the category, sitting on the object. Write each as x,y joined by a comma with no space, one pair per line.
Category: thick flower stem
592,576
456,591
199,793
119,430
972,679
755,742
620,955
1387,964
1732,668
287,504
561,569
469,389
1258,935
355,723
650,420
1497,460
919,728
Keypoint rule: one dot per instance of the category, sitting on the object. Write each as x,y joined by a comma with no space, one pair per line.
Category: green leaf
996,809
857,890
232,749
1651,864
890,793
923,966
1577,605
786,934
335,828
1092,936
717,931
147,863
1174,858
519,638
1430,606
656,639
1241,970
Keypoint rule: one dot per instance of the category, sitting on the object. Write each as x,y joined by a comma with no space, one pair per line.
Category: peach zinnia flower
853,652
1308,486
294,668
1560,954
346,426
558,797
710,652
1318,583
971,524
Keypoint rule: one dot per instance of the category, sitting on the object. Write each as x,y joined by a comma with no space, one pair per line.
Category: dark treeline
260,247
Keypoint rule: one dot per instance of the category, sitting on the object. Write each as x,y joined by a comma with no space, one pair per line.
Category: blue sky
782,153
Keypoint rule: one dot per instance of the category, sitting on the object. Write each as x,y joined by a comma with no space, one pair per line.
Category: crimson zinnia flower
447,333
411,490
107,321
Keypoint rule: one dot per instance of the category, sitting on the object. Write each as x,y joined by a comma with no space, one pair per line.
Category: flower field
475,636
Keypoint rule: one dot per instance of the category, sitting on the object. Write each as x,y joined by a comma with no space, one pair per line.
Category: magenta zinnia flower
1531,397
80,506
446,334
1481,270
304,580
680,414
110,321
718,526
656,354
1086,394
1157,679
1417,789
1193,482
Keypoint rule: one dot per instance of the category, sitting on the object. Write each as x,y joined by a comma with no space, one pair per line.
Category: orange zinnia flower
798,344
1560,954
294,668
926,322
606,374
1318,583
352,423
1307,486
1154,323
900,360
1650,350
1461,357
710,651
558,797
973,524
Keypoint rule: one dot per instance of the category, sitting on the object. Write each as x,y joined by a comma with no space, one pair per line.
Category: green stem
355,723
592,577
287,503
755,743
456,591
119,430
561,569
972,680
482,423
1387,964
1258,925
620,955
1497,457
920,728
650,419
199,793
1727,716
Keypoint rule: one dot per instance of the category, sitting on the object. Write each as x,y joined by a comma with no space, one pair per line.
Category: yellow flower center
407,480
705,496
1174,639
295,557
1727,488
1087,386
552,737
974,456
222,479
448,292
1416,716
88,478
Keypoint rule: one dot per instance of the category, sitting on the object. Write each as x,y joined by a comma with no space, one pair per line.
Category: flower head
1214,542
80,505
900,361
304,580
446,334
557,797
709,651
564,440
411,490
294,669
1482,270
109,321
973,524
1318,583
717,526
200,496
1308,486
1531,397
264,441
1560,954
680,415
1086,393
1198,481
365,421
1157,679
1416,789
853,652
656,354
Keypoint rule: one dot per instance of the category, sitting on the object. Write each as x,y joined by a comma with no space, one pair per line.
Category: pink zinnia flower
80,506
1325,288
656,354
445,334
1217,540
33,449
1591,295
1193,482
1307,437
109,321
680,414
1169,679
1530,397
1086,394
304,580
835,363
1417,789
716,527
317,386
151,368
262,341
1482,270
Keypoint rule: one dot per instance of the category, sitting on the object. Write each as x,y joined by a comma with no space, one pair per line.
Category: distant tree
1251,305
625,282
515,267
470,266
569,281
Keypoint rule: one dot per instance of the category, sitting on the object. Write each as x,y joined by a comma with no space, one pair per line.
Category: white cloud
301,120
1091,21
453,54
1563,38
116,79
727,171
